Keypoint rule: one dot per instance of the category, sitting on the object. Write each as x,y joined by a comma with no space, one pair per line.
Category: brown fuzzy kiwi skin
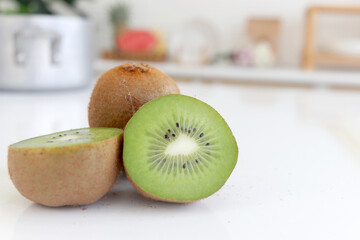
122,90
149,195
70,175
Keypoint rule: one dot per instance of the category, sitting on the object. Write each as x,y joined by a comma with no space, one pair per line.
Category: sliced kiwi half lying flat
178,149
74,167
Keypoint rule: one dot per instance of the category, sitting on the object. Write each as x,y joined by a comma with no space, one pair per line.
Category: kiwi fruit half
75,167
178,149
122,90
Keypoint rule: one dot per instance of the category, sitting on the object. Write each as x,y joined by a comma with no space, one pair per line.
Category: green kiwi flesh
178,149
69,138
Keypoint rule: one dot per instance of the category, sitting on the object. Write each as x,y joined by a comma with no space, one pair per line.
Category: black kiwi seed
202,134
207,144
77,132
166,136
177,125
194,129
173,135
196,161
60,135
189,131
169,130
184,165
164,160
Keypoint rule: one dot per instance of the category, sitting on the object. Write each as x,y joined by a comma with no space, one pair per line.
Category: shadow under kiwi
123,195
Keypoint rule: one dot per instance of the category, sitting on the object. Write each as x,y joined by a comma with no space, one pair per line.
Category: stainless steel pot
40,52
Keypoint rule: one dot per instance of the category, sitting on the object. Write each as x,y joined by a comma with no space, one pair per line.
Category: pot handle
25,36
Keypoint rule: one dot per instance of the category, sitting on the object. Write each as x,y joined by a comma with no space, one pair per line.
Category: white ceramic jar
41,52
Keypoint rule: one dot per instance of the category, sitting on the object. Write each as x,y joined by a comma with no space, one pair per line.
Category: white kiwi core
183,144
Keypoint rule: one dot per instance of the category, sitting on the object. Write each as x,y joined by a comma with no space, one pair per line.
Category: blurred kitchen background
255,35
59,44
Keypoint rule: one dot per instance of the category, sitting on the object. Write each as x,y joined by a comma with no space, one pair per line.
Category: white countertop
297,177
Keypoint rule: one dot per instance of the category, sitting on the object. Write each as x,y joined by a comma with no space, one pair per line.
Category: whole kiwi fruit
75,167
122,90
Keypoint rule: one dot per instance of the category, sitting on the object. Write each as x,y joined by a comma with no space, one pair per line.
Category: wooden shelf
310,55
328,58
335,9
